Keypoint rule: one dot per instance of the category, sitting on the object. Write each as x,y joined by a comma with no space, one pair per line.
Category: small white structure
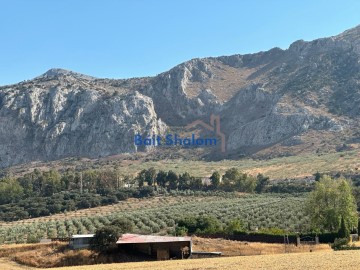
79,241
206,181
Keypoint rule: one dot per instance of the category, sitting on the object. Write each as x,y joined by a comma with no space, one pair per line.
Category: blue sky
122,39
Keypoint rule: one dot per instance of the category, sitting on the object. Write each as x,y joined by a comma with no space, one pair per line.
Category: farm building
159,247
78,241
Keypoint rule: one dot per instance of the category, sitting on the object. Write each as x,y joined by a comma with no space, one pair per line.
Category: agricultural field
325,260
276,168
159,215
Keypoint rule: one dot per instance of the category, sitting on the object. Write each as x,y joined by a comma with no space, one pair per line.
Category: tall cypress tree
343,231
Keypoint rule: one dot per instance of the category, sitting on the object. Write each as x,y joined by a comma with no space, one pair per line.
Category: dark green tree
189,223
235,225
231,178
124,225
200,224
150,176
105,238
231,175
215,179
141,177
52,183
343,231
317,176
247,183
196,183
184,180
10,190
181,231
262,182
172,178
208,224
161,178
38,181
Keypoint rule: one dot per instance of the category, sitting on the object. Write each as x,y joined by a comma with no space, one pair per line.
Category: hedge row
270,238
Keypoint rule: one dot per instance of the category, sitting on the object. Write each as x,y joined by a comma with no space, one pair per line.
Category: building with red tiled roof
160,247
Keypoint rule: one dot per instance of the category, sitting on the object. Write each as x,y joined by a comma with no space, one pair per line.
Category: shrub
340,243
234,225
201,224
83,204
122,196
33,239
105,238
109,200
181,231
124,225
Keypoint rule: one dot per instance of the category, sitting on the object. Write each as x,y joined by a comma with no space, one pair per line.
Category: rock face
262,99
51,122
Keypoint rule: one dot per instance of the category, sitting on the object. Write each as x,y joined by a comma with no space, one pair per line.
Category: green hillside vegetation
257,210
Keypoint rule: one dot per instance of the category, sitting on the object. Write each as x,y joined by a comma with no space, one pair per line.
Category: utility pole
286,242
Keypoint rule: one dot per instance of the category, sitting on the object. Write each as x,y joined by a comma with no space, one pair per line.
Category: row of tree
106,183
46,183
232,180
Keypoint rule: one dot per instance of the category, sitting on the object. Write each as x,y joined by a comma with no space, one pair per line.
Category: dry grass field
54,254
6,264
276,168
237,248
349,260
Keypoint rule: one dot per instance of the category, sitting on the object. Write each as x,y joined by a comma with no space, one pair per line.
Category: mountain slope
273,98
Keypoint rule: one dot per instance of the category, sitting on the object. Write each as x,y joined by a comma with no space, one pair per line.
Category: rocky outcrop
54,122
262,99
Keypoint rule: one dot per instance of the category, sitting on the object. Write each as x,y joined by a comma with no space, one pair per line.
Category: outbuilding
159,247
79,241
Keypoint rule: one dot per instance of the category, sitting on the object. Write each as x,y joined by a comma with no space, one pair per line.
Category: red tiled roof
129,238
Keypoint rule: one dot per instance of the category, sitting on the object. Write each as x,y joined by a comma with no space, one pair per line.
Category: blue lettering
138,139
199,141
158,140
210,141
177,140
169,140
186,141
147,141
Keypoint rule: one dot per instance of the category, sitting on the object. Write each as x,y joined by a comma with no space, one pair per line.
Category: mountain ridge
263,99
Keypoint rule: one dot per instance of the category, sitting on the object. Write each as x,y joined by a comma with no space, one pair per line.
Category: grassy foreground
321,260
324,258
56,254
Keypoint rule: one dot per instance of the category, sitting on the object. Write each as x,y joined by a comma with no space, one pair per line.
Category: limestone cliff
263,99
57,115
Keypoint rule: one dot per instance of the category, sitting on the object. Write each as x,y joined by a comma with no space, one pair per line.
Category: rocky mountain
274,98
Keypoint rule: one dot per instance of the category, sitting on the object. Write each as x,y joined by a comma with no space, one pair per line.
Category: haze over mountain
298,99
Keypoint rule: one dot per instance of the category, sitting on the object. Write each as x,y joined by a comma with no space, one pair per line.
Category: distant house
79,241
206,181
159,247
